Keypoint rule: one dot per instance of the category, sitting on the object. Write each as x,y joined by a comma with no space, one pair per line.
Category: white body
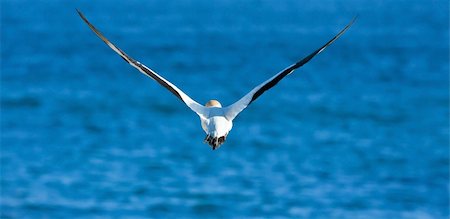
216,124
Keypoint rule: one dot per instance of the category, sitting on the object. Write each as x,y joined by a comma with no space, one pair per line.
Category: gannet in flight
216,120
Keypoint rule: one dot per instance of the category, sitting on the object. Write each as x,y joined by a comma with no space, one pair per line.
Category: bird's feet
214,142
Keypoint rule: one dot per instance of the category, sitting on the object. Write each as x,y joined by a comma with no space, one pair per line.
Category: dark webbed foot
221,140
214,142
206,138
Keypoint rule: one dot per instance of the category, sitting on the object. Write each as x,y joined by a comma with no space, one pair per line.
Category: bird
216,120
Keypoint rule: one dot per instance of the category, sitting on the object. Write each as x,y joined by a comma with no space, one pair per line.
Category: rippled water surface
361,131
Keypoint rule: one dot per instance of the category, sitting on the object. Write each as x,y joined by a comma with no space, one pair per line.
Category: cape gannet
216,120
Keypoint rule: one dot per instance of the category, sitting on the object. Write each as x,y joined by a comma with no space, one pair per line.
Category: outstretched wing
196,107
233,110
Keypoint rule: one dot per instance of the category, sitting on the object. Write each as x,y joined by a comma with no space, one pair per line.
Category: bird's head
213,103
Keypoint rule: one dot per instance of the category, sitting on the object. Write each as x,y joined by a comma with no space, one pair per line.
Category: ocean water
361,131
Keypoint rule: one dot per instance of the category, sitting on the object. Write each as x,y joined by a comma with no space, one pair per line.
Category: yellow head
213,103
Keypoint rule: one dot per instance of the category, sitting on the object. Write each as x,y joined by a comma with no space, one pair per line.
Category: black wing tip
79,12
81,15
348,26
352,21
300,63
337,36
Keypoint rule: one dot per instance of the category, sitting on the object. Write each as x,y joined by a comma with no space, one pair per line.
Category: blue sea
361,131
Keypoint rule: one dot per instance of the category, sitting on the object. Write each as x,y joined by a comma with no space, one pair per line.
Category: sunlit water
359,132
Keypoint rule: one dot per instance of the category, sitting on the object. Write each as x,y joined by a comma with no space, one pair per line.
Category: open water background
362,131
